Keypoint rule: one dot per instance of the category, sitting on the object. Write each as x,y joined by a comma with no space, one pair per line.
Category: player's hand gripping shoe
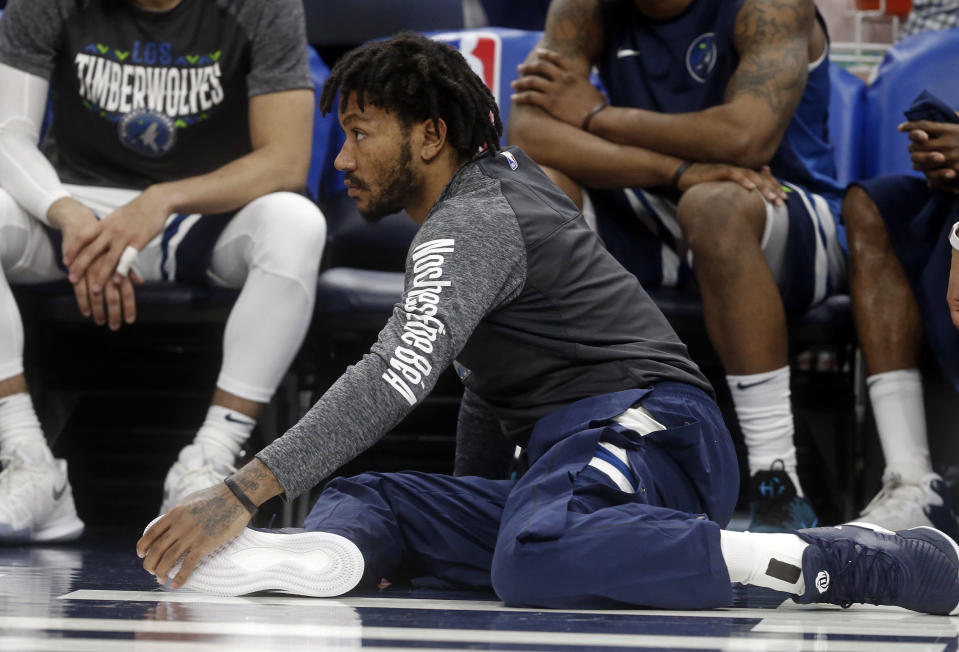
36,502
194,470
917,569
910,501
774,504
296,561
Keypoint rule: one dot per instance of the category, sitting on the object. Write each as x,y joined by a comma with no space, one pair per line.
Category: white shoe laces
197,474
20,483
895,497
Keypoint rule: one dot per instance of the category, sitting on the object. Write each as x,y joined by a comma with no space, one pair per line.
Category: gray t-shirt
141,97
505,277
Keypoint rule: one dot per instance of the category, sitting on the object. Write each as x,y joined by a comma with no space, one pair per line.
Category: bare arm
772,39
573,28
280,127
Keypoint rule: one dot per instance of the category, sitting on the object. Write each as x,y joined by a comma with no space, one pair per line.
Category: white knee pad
281,233
13,233
291,232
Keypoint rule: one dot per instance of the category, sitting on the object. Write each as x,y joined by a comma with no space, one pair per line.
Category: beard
403,183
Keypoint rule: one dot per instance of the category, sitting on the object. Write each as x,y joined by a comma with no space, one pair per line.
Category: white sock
770,560
20,428
896,398
223,433
765,418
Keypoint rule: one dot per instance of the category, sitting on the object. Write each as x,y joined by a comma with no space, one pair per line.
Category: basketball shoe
774,505
194,470
912,500
916,569
296,561
36,501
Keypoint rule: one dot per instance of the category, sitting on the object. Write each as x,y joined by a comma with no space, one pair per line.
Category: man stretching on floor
631,473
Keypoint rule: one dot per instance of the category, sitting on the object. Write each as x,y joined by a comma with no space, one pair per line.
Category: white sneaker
194,470
36,501
911,501
299,562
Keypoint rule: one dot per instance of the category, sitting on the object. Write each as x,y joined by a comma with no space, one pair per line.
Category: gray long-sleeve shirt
505,276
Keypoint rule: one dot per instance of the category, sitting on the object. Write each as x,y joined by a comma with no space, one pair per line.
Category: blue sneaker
774,505
917,569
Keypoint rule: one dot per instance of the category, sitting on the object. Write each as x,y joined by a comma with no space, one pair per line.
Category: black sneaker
774,505
917,569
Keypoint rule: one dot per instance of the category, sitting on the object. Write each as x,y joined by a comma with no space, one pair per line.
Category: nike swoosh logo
626,52
58,493
741,385
233,419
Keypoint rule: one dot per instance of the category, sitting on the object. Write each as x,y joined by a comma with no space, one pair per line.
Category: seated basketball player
631,471
179,130
900,229
692,83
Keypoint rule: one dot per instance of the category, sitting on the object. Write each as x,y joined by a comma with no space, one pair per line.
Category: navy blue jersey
684,64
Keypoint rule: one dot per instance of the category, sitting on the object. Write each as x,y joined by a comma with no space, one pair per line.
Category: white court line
546,640
787,611
24,644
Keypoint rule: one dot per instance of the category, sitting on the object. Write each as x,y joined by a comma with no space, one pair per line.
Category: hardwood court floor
93,596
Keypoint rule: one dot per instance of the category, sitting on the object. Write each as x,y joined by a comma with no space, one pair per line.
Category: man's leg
724,226
272,249
580,532
36,502
889,327
397,526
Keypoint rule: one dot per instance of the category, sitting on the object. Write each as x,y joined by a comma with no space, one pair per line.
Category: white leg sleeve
26,256
272,248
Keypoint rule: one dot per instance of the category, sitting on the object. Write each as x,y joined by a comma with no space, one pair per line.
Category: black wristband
592,114
240,495
679,172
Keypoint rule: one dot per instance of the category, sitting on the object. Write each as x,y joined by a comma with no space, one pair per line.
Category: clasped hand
934,150
552,83
92,250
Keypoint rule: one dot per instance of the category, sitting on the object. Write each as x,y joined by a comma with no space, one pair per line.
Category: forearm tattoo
216,514
573,28
772,38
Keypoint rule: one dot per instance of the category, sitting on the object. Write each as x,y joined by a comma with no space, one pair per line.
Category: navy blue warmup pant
563,535
918,220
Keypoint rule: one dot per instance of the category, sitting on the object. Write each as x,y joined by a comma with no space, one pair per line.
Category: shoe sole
66,530
317,564
938,533
61,531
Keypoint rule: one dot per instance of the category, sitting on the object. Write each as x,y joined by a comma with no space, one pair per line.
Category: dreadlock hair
419,79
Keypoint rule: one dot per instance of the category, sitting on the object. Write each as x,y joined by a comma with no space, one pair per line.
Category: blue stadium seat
351,23
322,178
847,106
925,61
519,14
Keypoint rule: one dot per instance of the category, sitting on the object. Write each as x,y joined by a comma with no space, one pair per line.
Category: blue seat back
521,14
327,137
925,61
357,21
847,107
494,53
